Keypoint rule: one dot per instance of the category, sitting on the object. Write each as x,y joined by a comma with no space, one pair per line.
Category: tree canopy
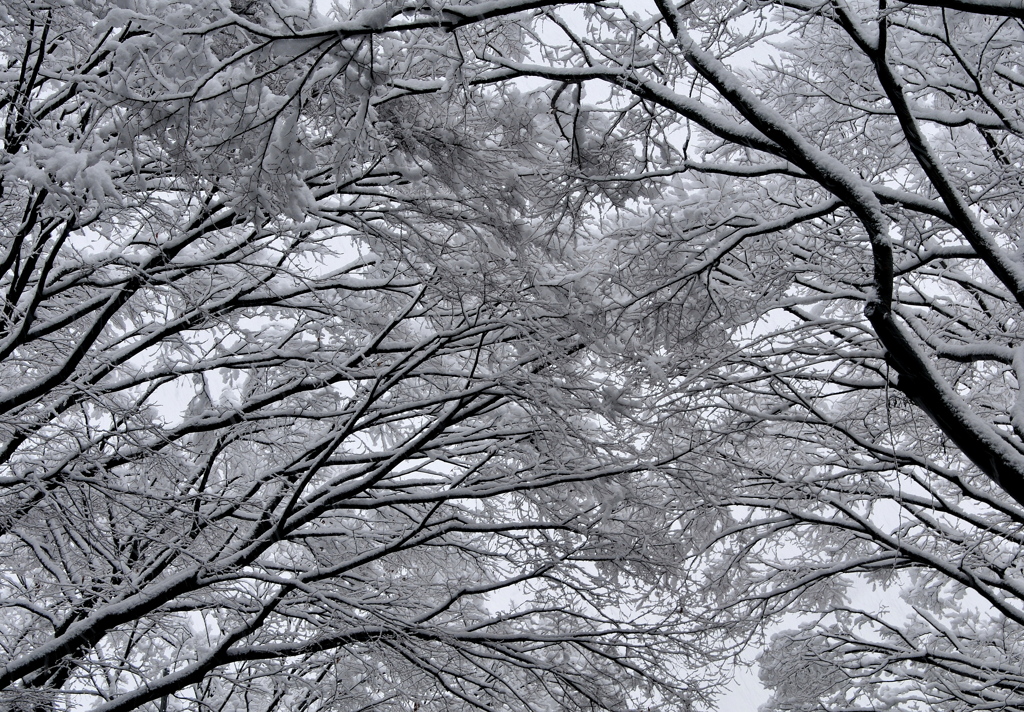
510,355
